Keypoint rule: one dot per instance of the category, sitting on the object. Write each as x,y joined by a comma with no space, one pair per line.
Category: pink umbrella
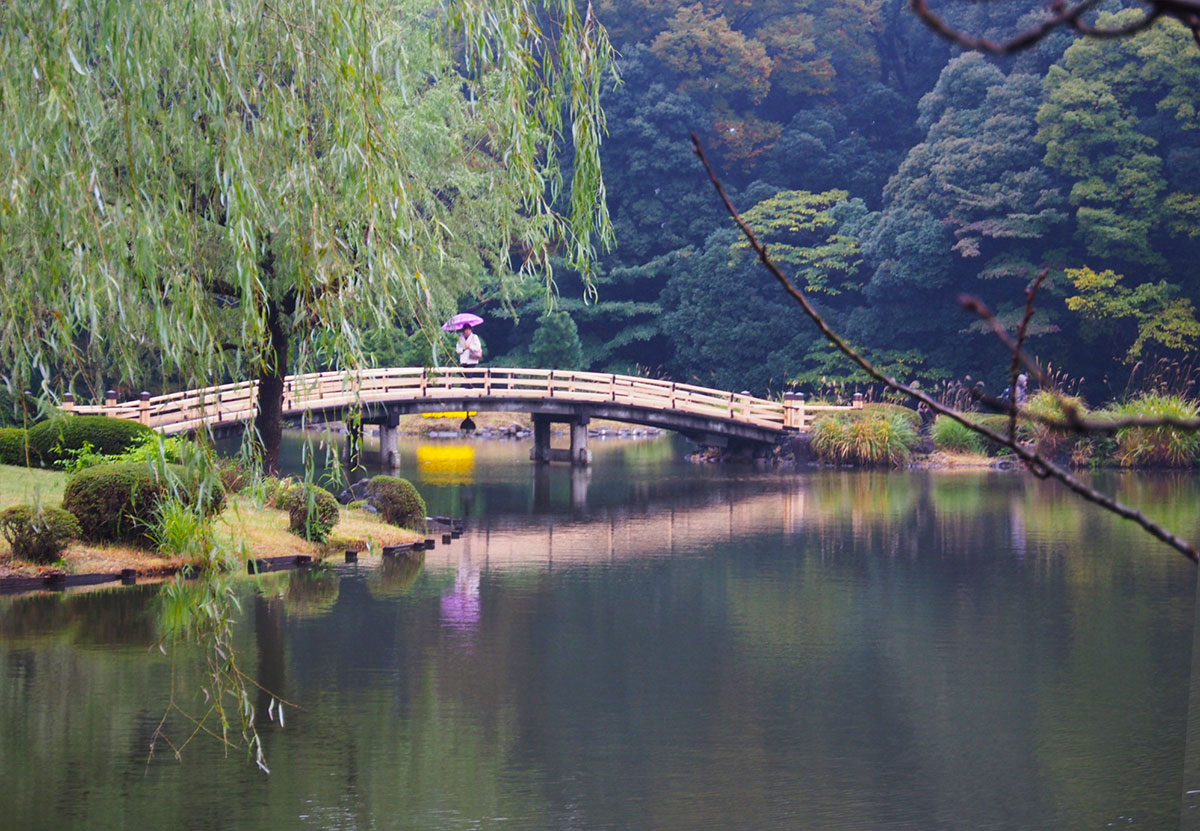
460,320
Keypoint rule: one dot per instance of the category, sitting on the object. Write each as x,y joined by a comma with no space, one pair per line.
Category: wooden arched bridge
381,396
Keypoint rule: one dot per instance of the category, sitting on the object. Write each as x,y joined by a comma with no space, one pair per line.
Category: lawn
247,528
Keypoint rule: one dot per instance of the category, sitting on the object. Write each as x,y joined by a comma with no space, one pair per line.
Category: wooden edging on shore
59,581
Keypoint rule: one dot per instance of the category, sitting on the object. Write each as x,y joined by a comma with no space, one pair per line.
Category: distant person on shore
469,348
1022,389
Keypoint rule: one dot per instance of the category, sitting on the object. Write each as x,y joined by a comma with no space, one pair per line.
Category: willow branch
1036,463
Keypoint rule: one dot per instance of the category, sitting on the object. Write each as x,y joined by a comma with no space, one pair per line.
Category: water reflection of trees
105,617
821,649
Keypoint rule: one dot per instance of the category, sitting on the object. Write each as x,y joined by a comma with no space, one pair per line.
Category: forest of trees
892,172
888,169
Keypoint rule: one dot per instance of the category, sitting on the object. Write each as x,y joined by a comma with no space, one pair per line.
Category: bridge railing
191,409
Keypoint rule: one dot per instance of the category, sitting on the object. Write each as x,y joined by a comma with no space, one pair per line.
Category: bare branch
1037,464
1186,12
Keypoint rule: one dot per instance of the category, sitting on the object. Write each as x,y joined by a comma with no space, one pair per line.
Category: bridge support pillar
579,455
389,446
540,452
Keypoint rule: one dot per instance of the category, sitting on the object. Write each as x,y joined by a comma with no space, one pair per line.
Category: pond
651,644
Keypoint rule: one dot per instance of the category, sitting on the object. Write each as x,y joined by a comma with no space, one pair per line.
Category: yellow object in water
446,464
458,414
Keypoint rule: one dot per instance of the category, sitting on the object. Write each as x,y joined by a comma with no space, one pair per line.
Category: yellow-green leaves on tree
1154,310
798,229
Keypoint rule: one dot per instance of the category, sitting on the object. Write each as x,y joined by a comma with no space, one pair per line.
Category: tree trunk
268,422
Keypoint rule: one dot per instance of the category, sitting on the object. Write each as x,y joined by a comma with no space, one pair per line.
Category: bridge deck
484,388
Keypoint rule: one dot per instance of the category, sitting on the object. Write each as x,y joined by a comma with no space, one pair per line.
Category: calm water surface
652,645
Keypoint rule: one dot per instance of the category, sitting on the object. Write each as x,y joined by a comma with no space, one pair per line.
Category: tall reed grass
882,438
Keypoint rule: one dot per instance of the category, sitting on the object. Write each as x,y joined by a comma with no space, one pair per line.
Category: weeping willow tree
238,188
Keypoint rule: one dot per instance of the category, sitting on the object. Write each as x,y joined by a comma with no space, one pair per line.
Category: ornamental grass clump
313,511
38,535
880,439
1160,446
951,435
398,501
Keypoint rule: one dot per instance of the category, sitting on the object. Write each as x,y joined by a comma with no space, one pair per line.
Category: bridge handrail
224,403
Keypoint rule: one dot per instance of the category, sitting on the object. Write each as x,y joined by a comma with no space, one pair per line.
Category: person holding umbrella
469,348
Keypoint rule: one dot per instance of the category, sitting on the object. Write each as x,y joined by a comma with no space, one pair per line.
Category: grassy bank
243,526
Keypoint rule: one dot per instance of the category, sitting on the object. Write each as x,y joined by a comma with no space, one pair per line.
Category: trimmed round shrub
38,535
119,501
48,440
313,512
12,446
948,434
398,501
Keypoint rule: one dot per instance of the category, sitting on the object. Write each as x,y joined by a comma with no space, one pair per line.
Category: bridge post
144,408
581,456
389,444
540,452
793,410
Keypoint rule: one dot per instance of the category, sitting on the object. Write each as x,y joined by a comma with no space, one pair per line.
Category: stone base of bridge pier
389,447
542,453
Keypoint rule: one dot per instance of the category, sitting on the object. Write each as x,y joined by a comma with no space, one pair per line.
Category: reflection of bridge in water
622,535
382,396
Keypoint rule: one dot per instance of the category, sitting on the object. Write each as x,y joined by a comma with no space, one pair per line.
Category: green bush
120,501
1157,446
398,501
277,492
38,535
49,441
874,439
12,446
948,434
883,408
313,512
1050,441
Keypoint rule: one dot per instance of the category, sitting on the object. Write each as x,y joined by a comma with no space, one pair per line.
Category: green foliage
53,440
120,501
556,342
1050,441
398,501
13,446
878,439
1160,446
800,231
1161,316
38,534
948,434
180,530
312,511
883,408
225,174
1117,116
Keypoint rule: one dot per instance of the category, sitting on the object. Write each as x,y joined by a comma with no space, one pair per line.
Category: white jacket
469,349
